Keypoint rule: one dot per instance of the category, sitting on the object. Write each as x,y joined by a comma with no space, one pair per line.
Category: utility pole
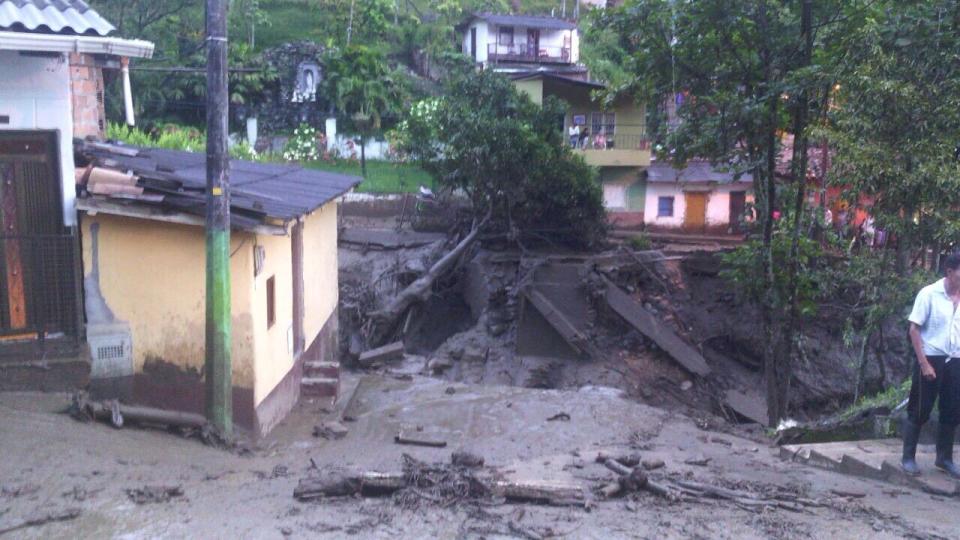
218,372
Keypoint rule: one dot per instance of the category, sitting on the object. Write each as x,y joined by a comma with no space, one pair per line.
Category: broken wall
86,95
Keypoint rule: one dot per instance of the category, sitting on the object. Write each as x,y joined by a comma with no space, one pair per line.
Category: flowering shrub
303,145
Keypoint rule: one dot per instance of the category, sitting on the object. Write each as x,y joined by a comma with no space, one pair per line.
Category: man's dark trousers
945,389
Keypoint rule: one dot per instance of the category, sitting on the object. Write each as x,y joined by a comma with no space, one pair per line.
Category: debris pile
464,479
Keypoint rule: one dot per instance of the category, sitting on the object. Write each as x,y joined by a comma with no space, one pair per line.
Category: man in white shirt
574,133
935,336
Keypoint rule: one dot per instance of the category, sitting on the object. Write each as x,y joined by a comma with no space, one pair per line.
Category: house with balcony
612,138
522,43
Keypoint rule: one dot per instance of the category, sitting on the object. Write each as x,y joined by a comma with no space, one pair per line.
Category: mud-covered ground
52,463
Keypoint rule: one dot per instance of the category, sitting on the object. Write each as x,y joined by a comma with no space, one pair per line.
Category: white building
520,43
51,90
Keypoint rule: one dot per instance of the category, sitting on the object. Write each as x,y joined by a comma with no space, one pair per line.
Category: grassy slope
382,176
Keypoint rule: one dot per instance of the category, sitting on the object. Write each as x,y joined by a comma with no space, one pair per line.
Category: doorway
533,42
738,205
473,43
695,216
39,259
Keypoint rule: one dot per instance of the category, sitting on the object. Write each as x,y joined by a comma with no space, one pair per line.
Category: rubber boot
944,461
911,435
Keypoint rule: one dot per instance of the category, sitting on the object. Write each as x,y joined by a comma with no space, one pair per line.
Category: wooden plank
641,319
391,351
16,296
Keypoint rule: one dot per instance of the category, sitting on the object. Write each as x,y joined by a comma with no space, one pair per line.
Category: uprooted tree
507,155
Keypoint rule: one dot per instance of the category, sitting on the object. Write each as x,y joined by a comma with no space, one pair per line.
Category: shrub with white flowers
303,145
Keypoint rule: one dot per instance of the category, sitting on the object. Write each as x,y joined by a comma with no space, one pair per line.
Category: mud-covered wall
152,275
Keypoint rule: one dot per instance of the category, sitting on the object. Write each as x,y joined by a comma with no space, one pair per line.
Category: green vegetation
889,398
640,242
382,176
878,81
506,153
173,137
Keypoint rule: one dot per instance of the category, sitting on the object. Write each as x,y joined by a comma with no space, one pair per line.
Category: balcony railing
522,52
612,142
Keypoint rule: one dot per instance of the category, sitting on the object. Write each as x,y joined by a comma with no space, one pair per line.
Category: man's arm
925,368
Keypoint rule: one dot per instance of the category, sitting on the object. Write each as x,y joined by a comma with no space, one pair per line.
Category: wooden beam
16,297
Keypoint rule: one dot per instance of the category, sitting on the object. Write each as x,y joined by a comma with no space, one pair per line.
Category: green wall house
611,138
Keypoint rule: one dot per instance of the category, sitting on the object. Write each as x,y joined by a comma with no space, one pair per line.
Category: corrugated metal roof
58,16
258,191
530,21
695,171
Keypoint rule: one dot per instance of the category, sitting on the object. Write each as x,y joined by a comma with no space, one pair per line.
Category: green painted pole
219,389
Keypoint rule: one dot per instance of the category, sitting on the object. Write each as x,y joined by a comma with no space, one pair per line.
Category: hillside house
52,54
143,259
522,43
697,199
615,139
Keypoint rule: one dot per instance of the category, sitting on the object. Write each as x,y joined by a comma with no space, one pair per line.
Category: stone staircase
320,379
874,459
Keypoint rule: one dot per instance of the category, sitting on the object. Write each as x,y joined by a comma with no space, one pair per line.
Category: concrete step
52,375
874,459
319,369
319,386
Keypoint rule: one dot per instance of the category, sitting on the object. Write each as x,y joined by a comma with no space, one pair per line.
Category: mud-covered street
54,464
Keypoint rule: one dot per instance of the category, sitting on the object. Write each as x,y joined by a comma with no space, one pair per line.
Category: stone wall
86,94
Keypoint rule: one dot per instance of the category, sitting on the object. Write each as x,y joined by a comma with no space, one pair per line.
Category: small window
506,35
665,207
271,302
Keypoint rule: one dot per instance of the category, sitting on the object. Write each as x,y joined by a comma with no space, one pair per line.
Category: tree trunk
384,320
784,360
363,156
770,301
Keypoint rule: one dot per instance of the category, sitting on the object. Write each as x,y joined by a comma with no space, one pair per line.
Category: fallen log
118,413
341,484
384,320
632,479
65,515
377,484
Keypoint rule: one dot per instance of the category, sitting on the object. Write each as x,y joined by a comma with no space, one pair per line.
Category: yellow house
143,252
611,138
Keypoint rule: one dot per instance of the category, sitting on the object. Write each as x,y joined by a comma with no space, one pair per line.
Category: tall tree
360,83
508,155
742,74
896,123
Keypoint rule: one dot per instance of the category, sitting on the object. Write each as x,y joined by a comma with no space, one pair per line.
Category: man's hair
952,262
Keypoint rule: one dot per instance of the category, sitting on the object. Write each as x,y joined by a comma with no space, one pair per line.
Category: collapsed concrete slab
638,317
563,325
751,406
558,298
